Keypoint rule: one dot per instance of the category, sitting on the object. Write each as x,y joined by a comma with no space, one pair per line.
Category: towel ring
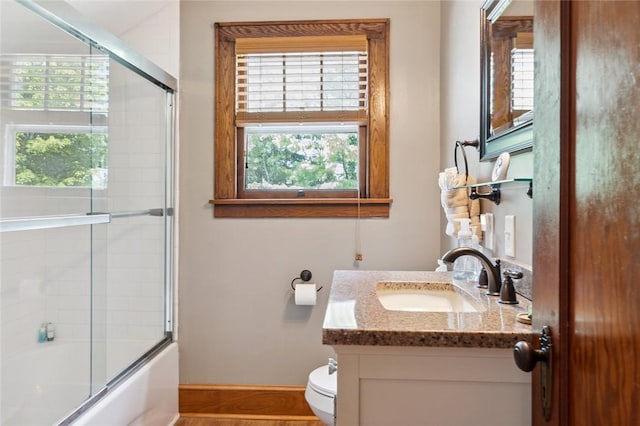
461,145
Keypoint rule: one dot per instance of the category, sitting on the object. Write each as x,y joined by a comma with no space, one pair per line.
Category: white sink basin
416,296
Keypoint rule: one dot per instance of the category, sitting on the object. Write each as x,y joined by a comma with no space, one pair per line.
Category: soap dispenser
463,266
475,263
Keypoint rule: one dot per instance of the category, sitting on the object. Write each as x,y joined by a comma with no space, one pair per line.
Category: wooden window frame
504,31
373,200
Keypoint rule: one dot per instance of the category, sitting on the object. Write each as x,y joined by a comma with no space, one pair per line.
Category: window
301,119
522,77
56,88
511,72
56,156
279,160
58,83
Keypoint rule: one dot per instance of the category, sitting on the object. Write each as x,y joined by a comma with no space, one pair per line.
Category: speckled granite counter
355,316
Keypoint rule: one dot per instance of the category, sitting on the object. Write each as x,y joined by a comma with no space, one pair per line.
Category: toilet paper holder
305,276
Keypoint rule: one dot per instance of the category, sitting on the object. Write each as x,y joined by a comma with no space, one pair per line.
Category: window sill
304,207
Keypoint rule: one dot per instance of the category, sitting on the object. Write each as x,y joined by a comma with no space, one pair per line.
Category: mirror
506,77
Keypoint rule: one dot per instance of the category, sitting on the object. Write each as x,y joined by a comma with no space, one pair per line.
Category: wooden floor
244,405
204,421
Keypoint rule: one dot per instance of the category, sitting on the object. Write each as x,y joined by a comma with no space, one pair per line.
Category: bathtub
149,397
47,382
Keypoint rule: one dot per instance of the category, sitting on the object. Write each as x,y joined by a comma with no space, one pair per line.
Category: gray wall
460,112
237,321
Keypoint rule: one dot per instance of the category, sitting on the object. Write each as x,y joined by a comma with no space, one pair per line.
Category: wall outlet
510,235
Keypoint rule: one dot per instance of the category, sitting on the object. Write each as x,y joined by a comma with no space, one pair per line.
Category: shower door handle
48,222
63,221
132,213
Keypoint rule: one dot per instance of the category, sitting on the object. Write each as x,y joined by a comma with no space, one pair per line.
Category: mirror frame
518,138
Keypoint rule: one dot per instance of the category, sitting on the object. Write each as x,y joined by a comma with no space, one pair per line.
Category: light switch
510,235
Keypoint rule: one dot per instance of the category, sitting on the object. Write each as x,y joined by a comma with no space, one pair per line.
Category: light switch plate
510,235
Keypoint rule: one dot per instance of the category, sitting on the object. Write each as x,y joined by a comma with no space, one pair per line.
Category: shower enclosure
86,212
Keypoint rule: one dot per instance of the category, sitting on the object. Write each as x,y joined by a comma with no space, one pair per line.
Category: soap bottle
475,264
42,333
51,331
463,266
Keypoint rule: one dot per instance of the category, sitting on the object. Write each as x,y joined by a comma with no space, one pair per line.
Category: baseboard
248,402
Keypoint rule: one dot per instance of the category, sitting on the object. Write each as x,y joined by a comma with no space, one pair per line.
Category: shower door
86,215
130,254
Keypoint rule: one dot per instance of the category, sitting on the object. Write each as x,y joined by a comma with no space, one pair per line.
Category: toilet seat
322,382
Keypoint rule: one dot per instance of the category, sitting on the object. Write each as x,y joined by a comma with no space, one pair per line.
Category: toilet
321,394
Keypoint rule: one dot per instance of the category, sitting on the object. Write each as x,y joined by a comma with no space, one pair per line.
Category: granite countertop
355,316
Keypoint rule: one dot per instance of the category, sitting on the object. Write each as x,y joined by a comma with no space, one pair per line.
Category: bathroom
241,268
237,323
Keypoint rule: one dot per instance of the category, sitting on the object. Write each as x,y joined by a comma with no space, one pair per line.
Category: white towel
456,202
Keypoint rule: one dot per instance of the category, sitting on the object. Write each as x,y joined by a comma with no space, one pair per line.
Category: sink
418,296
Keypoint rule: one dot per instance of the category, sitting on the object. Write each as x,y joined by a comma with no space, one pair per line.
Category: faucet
493,271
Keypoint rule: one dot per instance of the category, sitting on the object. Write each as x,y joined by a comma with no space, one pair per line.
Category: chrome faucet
493,271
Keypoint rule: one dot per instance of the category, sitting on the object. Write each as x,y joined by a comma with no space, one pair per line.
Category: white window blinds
55,83
304,79
522,72
522,79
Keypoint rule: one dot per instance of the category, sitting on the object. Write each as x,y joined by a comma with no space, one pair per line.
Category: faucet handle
510,273
483,279
507,290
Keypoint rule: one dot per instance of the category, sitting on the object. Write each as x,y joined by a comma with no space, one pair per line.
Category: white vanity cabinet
409,386
427,368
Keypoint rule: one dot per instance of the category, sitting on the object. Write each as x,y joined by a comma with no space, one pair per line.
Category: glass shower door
129,287
53,105
86,218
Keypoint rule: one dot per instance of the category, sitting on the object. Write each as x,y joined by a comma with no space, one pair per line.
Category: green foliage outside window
302,161
60,159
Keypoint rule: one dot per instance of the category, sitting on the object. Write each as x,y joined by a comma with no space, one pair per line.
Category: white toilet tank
321,394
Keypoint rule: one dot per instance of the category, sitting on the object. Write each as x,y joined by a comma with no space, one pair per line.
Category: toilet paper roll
306,294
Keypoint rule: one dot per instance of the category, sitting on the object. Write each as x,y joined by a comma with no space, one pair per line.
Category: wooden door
587,209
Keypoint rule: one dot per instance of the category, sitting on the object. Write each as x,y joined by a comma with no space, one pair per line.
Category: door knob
527,357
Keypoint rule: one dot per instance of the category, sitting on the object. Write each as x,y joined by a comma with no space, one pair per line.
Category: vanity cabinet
408,386
430,368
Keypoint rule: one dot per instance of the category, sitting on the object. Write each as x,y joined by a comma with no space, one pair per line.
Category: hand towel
456,202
